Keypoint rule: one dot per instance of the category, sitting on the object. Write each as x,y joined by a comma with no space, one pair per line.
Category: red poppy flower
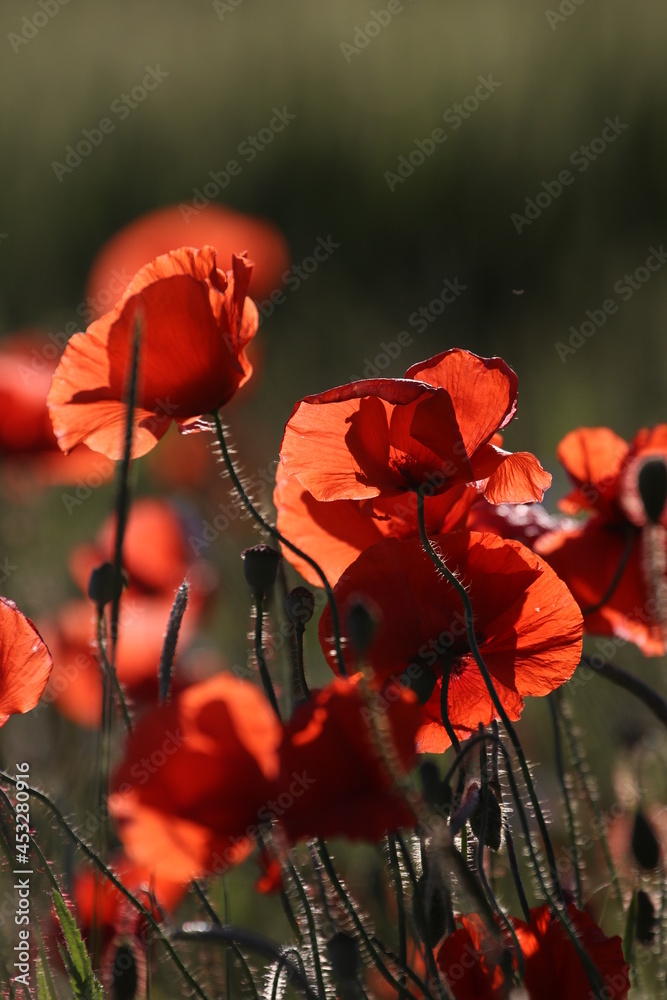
469,957
175,226
25,662
527,626
376,439
27,363
334,533
201,774
614,563
196,773
333,772
196,323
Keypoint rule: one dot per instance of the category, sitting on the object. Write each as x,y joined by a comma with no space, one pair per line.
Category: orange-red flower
27,363
25,662
527,626
204,773
469,957
377,439
174,226
615,562
196,322
334,533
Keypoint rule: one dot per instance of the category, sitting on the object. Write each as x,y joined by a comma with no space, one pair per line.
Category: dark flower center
652,486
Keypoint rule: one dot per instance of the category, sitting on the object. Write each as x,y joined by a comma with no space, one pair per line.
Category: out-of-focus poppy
334,533
175,226
156,559
202,775
469,958
27,363
196,322
527,626
614,563
334,779
25,662
377,439
196,772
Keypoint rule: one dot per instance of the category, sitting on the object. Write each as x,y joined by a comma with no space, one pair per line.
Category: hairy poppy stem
632,684
312,928
400,907
554,705
631,538
516,874
264,674
108,874
273,531
253,942
557,906
166,666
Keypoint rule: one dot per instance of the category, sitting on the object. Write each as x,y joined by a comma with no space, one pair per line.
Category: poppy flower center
427,667
652,486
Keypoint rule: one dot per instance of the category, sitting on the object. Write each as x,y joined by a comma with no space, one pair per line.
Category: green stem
273,531
264,674
400,905
108,874
554,702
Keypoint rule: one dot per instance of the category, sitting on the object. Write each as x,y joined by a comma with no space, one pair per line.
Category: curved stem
264,674
616,579
554,702
273,531
632,684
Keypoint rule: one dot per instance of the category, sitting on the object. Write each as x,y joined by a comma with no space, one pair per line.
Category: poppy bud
652,486
647,924
102,583
344,957
645,846
260,566
300,605
361,626
125,972
494,820
431,916
436,792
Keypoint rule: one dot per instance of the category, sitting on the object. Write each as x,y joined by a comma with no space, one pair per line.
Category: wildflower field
333,501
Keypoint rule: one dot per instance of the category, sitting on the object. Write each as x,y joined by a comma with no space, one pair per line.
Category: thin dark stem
516,875
299,631
273,531
264,674
253,942
630,540
633,685
554,702
444,708
109,875
312,928
166,665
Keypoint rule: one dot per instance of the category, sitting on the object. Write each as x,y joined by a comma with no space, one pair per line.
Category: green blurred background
229,65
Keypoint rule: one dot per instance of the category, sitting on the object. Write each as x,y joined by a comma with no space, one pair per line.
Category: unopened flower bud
300,605
647,925
102,584
645,846
260,565
344,957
